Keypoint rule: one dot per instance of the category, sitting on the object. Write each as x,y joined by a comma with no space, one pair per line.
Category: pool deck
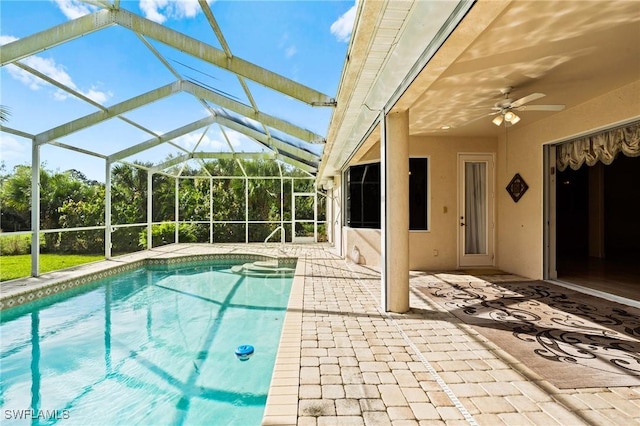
343,361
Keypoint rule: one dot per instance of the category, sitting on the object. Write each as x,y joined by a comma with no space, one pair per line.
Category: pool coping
18,292
282,400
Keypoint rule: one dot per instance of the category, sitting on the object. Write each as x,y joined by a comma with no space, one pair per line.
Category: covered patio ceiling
571,51
279,138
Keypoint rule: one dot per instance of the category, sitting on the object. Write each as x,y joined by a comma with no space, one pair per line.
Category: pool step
262,269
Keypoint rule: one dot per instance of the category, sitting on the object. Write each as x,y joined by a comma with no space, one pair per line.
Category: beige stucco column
394,179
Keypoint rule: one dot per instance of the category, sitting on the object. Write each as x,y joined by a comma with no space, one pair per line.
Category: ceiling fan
505,108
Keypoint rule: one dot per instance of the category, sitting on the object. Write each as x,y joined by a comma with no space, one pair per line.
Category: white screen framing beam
54,36
164,138
163,92
249,112
238,155
210,155
108,113
17,132
76,94
87,24
259,137
227,50
271,143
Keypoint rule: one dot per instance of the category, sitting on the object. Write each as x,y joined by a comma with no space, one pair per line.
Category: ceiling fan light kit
506,107
511,117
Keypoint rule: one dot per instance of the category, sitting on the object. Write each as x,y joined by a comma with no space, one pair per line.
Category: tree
128,205
67,199
86,211
129,194
4,113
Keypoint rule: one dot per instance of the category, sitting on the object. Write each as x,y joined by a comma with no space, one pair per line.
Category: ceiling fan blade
541,108
526,99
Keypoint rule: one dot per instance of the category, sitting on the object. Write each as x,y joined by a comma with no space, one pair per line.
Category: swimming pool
153,346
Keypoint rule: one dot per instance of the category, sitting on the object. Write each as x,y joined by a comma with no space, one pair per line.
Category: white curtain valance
601,147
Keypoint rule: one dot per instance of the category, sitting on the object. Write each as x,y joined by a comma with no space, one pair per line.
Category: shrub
164,233
15,244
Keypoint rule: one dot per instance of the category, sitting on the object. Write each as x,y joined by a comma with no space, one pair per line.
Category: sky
305,41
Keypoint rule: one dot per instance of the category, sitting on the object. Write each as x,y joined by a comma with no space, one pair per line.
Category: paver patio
359,365
342,361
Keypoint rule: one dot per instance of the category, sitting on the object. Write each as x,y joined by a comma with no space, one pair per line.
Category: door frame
294,220
549,259
488,259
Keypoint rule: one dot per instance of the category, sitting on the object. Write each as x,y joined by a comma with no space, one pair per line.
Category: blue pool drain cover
244,352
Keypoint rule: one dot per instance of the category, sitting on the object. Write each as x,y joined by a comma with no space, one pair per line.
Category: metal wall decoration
517,187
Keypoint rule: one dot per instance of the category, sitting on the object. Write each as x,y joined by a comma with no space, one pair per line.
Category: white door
475,210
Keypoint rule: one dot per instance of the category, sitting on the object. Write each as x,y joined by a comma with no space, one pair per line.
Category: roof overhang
573,51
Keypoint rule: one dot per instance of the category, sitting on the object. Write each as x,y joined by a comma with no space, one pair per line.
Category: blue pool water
152,346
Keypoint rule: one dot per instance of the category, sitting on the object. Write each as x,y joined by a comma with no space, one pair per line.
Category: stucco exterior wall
438,247
520,228
368,243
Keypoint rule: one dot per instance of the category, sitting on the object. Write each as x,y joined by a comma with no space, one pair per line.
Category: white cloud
11,149
284,44
50,68
161,10
98,95
343,26
4,39
73,9
150,9
235,138
290,51
218,143
46,66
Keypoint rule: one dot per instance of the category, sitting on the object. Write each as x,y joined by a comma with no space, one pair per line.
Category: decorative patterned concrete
572,339
344,362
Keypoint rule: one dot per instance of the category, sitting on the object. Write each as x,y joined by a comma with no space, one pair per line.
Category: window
363,195
418,204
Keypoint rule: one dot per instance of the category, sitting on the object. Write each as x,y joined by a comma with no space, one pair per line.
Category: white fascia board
113,111
219,58
164,138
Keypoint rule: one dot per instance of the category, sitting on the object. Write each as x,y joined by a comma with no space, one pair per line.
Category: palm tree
4,113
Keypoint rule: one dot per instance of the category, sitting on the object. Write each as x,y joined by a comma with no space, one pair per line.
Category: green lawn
19,266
